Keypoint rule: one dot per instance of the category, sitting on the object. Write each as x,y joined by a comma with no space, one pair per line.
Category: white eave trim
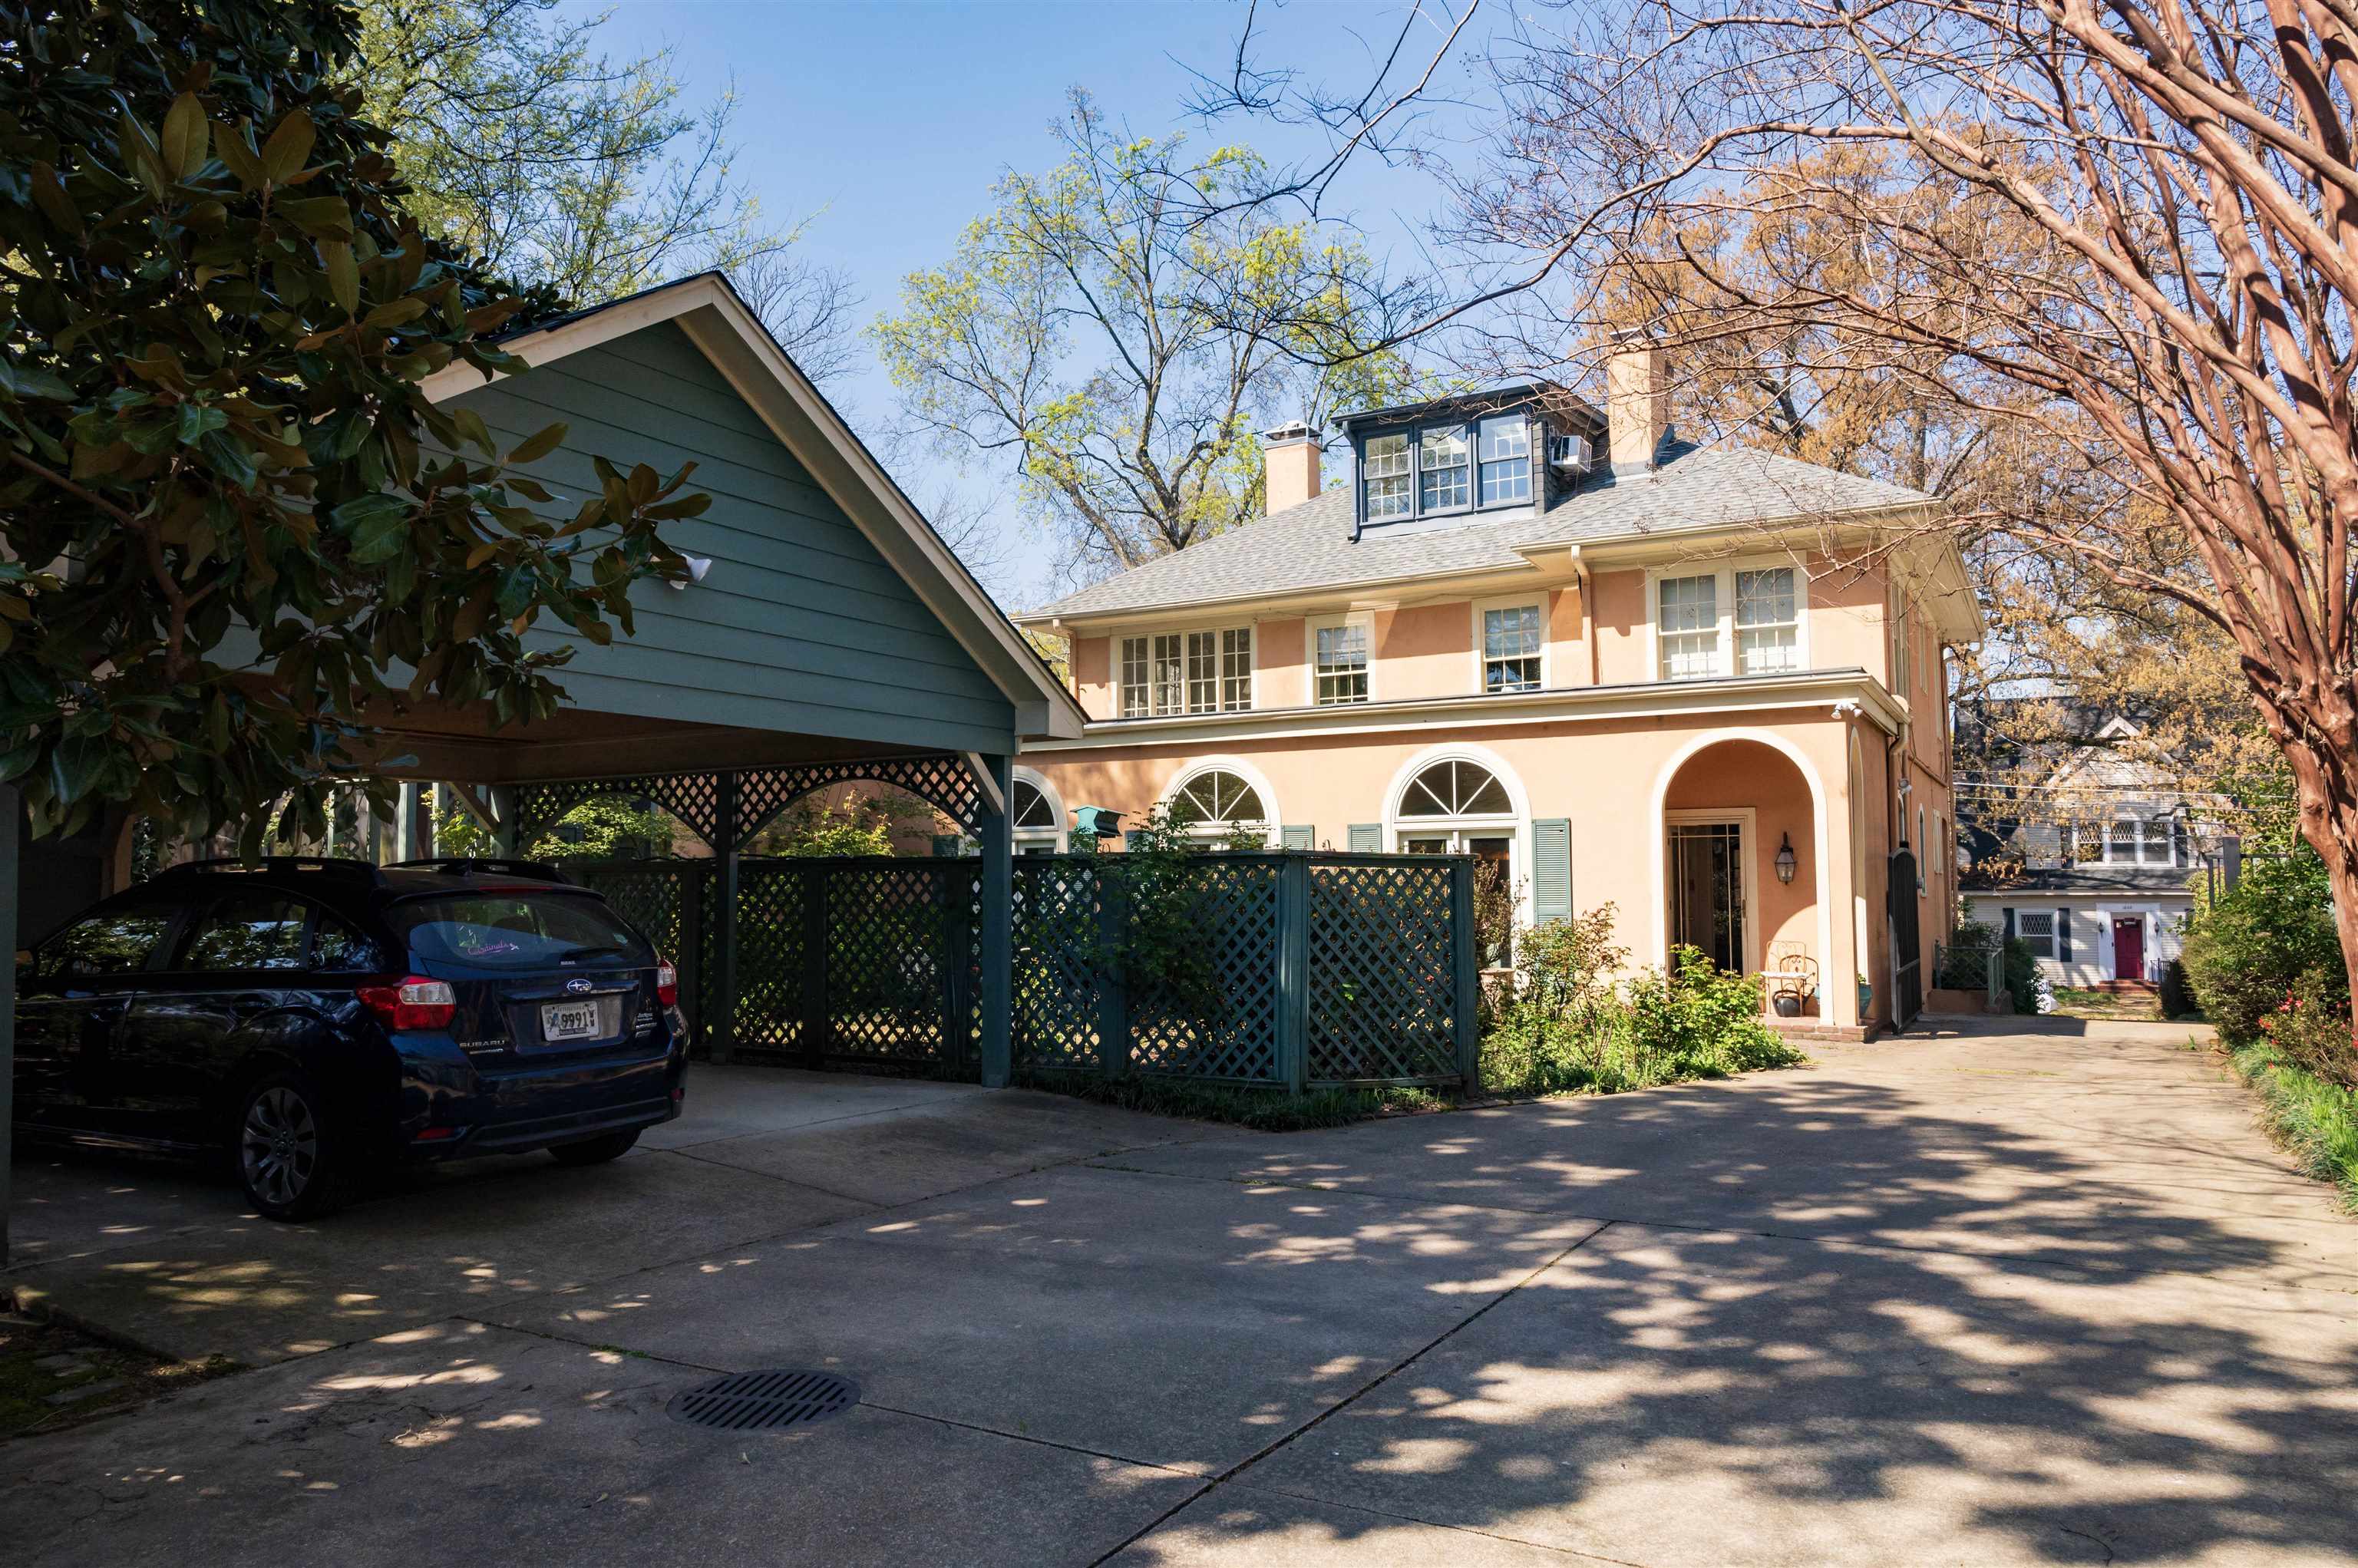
726,331
1652,699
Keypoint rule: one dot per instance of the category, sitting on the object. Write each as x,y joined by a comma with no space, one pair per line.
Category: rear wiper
574,954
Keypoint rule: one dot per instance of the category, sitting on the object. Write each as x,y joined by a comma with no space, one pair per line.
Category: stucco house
2096,870
1705,686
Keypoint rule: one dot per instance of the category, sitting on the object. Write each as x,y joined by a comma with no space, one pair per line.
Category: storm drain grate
753,1402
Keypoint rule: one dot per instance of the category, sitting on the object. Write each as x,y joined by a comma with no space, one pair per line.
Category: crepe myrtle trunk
2325,773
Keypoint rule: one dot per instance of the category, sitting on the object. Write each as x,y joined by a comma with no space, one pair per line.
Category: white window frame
1252,776
1481,609
2020,915
1516,825
1055,836
1724,603
1183,632
1317,623
1531,461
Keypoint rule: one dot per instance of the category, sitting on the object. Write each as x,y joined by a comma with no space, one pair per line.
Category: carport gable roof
709,313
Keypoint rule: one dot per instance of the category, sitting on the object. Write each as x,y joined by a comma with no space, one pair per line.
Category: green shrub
1964,965
2178,992
2316,1122
2310,1029
2267,939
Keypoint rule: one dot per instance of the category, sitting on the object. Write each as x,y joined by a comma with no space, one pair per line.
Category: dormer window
1444,470
1384,477
1450,459
1506,460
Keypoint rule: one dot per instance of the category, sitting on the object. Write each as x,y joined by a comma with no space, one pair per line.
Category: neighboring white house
2097,875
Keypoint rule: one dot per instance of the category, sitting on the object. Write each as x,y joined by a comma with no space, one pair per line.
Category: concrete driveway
1986,1298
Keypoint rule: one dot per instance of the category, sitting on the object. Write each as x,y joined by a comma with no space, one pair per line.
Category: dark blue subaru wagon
322,1021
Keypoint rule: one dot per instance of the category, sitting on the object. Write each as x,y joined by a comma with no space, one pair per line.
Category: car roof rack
496,865
335,865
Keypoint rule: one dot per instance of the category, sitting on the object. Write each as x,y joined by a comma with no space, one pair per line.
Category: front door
2128,947
1706,893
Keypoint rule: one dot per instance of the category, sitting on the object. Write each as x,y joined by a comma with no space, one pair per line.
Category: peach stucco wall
1603,776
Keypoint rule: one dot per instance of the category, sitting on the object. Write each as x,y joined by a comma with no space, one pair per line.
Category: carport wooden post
998,975
8,831
723,1038
1465,944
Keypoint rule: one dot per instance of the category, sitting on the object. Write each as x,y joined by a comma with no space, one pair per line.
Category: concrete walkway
2022,1297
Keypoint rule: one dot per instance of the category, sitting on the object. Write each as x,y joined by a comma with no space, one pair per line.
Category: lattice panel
945,782
771,956
894,939
694,798
650,894
1233,903
1054,1022
1382,972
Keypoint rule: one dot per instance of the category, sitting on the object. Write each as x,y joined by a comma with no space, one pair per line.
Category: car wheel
287,1157
595,1151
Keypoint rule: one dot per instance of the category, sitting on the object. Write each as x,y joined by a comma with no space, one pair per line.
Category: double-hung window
1510,648
1444,470
1768,622
1506,456
1384,478
1186,672
1339,654
1687,619
2037,927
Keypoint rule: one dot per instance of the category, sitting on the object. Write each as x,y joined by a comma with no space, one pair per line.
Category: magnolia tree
238,538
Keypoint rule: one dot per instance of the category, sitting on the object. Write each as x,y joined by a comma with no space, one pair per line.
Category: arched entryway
1739,827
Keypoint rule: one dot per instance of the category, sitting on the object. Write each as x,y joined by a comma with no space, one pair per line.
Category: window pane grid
2037,927
1511,649
1768,622
1506,454
1342,664
1384,476
1203,673
1688,620
1236,669
1134,695
1444,467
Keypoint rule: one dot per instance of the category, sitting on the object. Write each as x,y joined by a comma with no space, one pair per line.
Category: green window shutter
1300,836
1551,868
945,846
1366,837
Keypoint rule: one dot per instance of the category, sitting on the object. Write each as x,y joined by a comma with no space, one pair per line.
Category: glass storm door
1707,889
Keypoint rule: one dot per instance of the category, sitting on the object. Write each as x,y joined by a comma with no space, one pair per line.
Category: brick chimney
1637,403
1290,465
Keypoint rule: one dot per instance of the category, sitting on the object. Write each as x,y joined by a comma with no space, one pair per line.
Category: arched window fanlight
1217,796
1032,807
1456,789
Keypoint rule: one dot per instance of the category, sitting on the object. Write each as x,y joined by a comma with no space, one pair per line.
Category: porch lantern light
1785,862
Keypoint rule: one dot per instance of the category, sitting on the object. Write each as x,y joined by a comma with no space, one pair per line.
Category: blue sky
892,121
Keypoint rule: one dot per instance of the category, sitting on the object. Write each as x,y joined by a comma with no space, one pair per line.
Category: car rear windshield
515,931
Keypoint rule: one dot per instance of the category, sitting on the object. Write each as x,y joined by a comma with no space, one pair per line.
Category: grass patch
1263,1110
2128,1006
52,1376
2315,1121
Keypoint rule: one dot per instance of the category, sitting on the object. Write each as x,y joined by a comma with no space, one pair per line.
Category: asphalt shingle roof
1309,547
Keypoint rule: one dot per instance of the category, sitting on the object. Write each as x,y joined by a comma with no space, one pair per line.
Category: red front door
2129,948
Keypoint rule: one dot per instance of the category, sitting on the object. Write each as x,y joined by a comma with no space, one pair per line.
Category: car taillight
412,1002
666,983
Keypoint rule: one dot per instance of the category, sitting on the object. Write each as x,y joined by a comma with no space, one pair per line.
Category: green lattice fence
1329,968
1326,969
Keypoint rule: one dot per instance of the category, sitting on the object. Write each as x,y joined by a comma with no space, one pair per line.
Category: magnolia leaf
534,448
343,275
229,145
322,217
289,144
375,523
184,137
396,312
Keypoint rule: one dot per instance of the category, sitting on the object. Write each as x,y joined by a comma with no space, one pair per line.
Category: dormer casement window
1452,460
2127,841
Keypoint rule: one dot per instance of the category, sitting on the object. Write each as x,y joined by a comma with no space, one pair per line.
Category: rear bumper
513,1113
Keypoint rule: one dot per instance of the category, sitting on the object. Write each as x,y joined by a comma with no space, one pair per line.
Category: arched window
1455,788
1217,802
1037,818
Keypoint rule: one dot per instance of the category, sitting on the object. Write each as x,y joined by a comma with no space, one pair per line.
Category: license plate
570,1020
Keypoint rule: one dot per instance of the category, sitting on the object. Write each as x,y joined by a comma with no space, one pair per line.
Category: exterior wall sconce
1785,861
